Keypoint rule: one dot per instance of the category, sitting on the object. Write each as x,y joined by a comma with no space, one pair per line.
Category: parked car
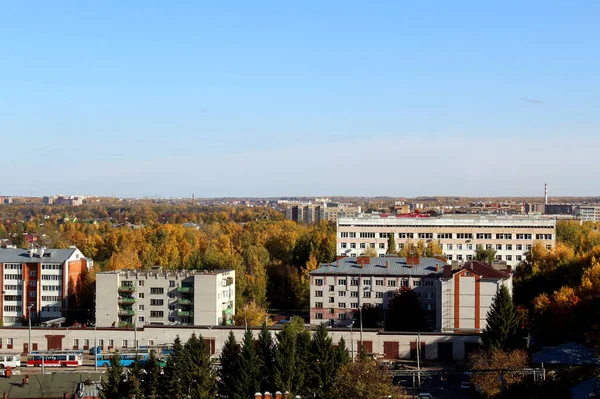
425,395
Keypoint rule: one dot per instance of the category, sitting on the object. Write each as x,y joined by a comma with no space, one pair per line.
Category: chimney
278,395
387,264
267,395
437,268
337,263
365,260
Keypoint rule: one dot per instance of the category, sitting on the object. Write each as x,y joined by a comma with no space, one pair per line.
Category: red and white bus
55,359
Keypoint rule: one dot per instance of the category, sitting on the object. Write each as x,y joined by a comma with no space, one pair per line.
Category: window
390,294
11,287
342,316
86,343
75,343
319,293
381,245
391,283
363,245
111,343
8,308
140,307
331,288
449,257
416,283
354,281
509,247
366,282
470,247
406,235
342,305
404,283
156,313
449,246
17,298
499,247
342,281
509,257
344,245
32,295
125,343
498,257
481,236
353,245
519,247
459,247
519,258
33,273
354,294
539,236
331,311
445,236
319,281
548,236
141,295
428,283
429,307
157,290
464,236
156,302
354,305
367,294
384,235
488,246
379,295
172,283
318,305
319,316
341,293
140,283
548,247
344,234
32,283
367,235
379,282
469,257
528,247
352,235
426,235
331,300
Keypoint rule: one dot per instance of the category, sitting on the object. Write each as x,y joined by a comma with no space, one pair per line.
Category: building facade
340,288
40,279
157,297
459,237
465,295
588,213
311,213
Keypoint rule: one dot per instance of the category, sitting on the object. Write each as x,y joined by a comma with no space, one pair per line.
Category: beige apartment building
510,235
155,297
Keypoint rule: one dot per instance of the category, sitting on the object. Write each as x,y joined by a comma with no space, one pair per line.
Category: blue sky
275,98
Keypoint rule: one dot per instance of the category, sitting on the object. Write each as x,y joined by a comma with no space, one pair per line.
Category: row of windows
12,266
8,287
51,267
366,281
55,277
17,298
51,309
50,287
448,236
50,298
140,283
13,277
9,308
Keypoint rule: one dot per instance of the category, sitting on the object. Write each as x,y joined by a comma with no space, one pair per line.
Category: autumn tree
364,379
502,329
370,251
391,244
252,315
485,255
492,384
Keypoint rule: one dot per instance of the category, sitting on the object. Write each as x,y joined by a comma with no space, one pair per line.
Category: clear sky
282,98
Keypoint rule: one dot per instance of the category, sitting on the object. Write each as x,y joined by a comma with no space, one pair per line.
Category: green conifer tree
324,363
248,378
342,357
285,359
174,377
113,386
230,366
502,329
200,375
265,349
135,380
304,366
151,377
391,249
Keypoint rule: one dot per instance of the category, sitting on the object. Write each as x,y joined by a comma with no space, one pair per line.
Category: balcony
185,290
184,301
127,288
183,313
125,324
126,300
126,312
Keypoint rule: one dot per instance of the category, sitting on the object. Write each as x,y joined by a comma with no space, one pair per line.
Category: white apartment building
128,298
588,213
455,298
466,293
38,278
310,213
338,289
511,236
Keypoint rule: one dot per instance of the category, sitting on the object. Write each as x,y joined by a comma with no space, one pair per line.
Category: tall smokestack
193,200
545,193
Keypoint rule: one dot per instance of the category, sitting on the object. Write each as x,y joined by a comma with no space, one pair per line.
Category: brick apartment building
455,298
38,278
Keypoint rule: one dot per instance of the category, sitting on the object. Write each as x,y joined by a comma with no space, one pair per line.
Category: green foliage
199,376
372,316
248,379
114,386
285,359
485,255
174,377
405,312
341,353
152,376
265,351
324,364
502,330
230,358
391,244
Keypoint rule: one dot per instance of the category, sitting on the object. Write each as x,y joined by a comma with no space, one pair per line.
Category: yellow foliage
252,314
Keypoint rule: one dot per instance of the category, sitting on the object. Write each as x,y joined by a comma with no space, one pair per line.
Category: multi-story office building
465,295
588,213
157,297
455,298
510,236
338,289
38,279
310,213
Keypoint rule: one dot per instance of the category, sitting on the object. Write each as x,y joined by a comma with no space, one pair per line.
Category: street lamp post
29,317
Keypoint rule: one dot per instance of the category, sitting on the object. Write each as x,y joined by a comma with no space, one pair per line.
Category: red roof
479,268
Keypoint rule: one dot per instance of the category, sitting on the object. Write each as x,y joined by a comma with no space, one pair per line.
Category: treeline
558,290
271,257
295,362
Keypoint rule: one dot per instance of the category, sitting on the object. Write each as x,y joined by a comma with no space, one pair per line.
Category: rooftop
450,220
158,270
41,255
382,266
481,269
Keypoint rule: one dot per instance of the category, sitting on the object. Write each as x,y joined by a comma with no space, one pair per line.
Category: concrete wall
162,335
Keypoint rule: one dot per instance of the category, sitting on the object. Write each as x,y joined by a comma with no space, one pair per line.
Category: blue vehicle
127,358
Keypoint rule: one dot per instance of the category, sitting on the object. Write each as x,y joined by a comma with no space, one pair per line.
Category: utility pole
352,340
418,359
29,317
95,335
360,310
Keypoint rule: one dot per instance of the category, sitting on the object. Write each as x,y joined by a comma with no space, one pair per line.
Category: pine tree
304,366
113,387
502,329
285,359
265,349
135,383
200,375
323,362
391,245
342,357
230,366
173,381
248,378
152,377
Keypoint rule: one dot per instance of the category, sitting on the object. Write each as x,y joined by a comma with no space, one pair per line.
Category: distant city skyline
270,99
